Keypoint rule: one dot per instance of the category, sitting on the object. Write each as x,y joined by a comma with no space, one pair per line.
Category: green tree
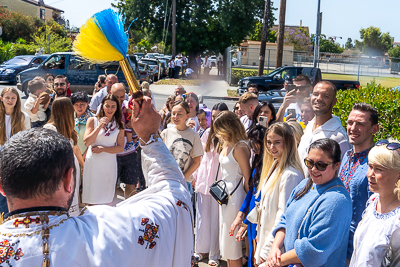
329,45
57,42
349,44
143,45
395,52
374,42
256,33
201,24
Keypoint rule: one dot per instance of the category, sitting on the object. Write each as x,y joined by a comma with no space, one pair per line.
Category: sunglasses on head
59,84
321,166
390,146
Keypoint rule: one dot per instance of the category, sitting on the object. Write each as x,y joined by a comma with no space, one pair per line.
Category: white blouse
373,233
27,125
272,207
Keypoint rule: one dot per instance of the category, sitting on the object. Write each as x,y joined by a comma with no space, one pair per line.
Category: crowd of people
302,190
178,67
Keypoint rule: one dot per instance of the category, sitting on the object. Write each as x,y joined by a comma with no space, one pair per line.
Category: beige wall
20,6
27,9
250,55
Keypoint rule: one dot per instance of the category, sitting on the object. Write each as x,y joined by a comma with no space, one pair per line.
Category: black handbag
218,190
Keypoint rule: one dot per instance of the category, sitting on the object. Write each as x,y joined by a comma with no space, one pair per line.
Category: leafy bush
24,49
6,51
15,25
385,100
237,74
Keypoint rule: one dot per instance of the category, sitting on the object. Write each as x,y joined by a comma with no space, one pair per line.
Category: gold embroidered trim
33,233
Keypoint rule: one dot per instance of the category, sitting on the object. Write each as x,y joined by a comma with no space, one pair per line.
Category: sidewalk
208,89
215,87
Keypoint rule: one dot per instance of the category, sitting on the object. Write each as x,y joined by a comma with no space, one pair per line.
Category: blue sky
341,18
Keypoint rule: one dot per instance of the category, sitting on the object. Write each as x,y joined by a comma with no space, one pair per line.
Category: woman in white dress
12,121
62,121
235,169
381,217
104,137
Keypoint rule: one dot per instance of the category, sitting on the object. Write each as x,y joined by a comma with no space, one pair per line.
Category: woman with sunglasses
381,217
315,227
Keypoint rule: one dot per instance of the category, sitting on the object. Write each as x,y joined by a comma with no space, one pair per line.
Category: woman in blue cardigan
315,227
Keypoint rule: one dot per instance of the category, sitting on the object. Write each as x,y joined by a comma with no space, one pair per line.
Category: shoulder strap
309,209
235,188
216,177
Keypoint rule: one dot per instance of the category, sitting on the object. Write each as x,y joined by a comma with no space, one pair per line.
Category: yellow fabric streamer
92,45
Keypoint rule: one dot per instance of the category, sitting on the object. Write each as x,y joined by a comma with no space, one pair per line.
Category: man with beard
324,124
60,86
153,228
362,125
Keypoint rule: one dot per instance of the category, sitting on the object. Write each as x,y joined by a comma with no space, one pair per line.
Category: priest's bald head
37,169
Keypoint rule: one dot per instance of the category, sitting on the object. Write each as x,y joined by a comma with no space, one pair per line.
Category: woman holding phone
265,110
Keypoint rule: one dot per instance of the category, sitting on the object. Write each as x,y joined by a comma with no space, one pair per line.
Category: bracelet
243,225
153,138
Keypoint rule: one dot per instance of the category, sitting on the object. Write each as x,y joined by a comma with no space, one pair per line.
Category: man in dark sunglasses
291,106
362,124
60,86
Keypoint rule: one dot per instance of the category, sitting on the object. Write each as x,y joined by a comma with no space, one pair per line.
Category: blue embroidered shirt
353,173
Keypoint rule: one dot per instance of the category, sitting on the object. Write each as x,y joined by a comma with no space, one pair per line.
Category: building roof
41,3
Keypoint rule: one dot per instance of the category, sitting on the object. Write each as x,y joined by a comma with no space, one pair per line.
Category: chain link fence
351,63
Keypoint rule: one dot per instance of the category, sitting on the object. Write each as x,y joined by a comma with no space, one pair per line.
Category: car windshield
149,62
273,73
19,61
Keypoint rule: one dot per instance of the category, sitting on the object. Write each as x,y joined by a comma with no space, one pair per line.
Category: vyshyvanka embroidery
149,234
181,204
26,221
8,252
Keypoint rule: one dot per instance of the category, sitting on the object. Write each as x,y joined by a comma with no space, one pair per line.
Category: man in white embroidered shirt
324,124
152,228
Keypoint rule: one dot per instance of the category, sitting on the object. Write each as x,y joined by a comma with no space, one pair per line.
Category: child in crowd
183,142
36,104
204,118
193,101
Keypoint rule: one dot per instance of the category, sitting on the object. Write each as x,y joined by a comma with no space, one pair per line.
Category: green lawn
364,80
384,81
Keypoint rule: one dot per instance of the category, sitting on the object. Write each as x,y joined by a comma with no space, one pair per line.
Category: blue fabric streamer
112,26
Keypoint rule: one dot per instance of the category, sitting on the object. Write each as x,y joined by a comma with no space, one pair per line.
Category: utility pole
317,34
281,34
173,28
264,38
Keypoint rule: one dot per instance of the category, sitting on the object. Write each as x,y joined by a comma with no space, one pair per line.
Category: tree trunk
281,34
264,38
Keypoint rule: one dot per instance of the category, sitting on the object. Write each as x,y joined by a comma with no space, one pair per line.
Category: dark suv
10,68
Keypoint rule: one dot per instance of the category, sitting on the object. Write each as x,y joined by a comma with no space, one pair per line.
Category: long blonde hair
17,117
290,156
227,124
62,117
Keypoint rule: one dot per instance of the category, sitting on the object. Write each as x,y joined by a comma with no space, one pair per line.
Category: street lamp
317,35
